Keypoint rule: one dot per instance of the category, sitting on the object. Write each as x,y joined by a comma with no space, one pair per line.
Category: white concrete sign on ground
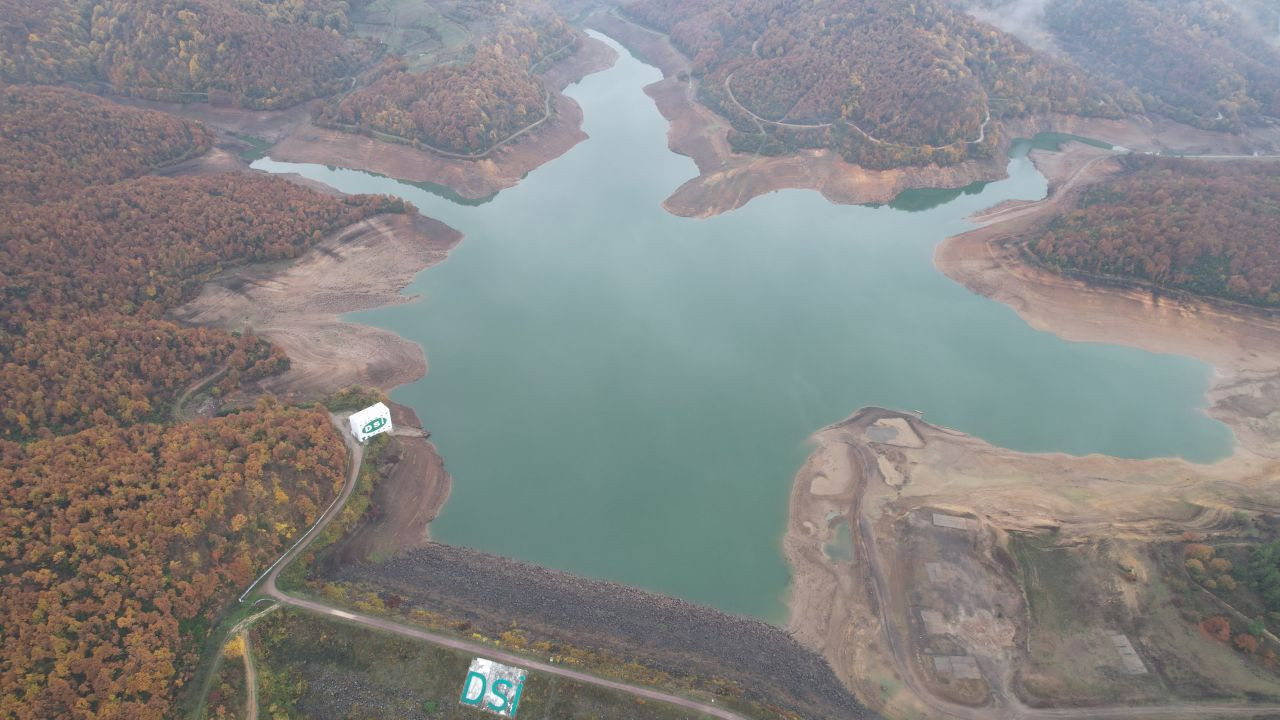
373,420
493,687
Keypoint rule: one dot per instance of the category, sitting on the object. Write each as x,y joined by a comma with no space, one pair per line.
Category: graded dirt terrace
407,498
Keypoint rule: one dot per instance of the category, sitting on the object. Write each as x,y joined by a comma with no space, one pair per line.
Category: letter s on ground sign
493,687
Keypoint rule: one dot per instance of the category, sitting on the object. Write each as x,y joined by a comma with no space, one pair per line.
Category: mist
1022,18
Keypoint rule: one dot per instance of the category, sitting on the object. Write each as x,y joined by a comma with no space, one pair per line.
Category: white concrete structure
373,420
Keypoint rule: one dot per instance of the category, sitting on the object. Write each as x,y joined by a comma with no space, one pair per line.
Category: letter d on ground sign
493,687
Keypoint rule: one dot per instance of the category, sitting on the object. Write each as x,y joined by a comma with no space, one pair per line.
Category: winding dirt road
272,590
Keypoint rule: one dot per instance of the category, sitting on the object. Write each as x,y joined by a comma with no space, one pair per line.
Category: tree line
122,537
55,141
912,76
465,107
1199,62
253,53
1207,228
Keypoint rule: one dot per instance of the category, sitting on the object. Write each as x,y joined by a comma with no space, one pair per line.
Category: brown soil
729,180
219,159
472,179
864,615
408,496
296,305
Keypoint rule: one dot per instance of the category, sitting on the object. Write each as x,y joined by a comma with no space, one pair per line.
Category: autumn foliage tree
118,543
469,106
1196,61
56,141
85,283
885,83
1207,228
255,53
120,537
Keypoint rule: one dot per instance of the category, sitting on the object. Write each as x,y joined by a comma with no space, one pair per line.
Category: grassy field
1074,603
412,28
311,667
1077,596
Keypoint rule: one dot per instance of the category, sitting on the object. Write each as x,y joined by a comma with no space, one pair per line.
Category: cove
626,394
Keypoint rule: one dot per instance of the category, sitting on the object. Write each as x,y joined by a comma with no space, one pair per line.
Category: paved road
270,589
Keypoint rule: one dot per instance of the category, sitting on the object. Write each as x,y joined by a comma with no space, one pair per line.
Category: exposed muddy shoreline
851,612
728,180
296,305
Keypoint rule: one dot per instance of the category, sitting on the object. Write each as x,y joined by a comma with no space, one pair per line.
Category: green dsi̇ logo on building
493,687
373,426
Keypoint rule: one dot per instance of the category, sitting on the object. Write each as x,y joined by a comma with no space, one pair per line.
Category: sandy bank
728,180
296,305
471,179
1242,343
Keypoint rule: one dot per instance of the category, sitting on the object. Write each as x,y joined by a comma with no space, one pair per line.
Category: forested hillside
1214,64
254,53
885,83
123,537
55,141
120,544
467,106
1208,228
1195,61
84,284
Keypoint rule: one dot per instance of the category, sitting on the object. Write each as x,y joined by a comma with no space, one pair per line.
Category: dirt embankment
413,488
296,305
471,179
677,637
728,180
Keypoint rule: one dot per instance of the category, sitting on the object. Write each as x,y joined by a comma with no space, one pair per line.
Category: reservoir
626,394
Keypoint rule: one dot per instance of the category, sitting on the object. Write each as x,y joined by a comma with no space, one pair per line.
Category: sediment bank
296,305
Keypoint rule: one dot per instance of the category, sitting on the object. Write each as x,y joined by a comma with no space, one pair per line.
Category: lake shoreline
850,477
297,305
728,180
477,179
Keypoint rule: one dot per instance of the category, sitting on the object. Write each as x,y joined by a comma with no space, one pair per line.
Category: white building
373,420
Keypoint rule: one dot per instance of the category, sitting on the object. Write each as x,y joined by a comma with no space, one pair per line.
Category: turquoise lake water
627,394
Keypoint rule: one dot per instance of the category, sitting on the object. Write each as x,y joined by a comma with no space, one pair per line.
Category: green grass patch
313,667
258,147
